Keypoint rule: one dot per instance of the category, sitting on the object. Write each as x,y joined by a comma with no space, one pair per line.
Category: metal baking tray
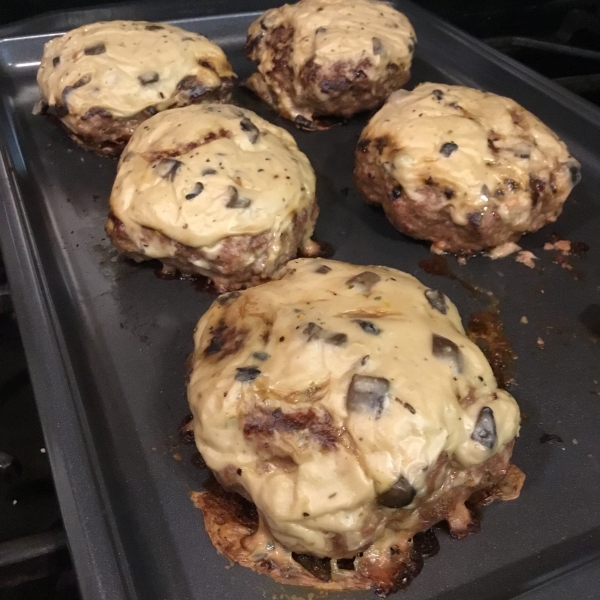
106,340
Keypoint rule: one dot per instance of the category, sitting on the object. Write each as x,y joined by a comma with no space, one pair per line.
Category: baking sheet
106,342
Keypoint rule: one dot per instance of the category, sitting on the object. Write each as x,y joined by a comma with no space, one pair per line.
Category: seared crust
348,405
237,531
307,69
511,180
213,190
239,264
88,86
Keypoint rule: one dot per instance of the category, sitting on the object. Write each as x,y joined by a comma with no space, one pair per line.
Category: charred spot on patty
319,427
225,340
96,111
318,567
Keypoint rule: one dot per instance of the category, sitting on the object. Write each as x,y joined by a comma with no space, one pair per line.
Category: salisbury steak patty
348,405
467,170
320,58
100,81
213,190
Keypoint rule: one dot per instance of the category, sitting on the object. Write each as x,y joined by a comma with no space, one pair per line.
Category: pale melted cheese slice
500,147
334,489
211,151
114,55
364,33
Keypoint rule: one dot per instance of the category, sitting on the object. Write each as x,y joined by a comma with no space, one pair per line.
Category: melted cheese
499,147
306,490
131,50
214,154
337,31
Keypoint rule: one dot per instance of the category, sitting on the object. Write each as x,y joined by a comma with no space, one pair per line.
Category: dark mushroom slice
225,298
196,191
364,281
69,88
367,393
209,172
262,356
323,270
368,326
475,218
377,46
426,543
437,300
234,200
148,78
313,331
245,374
347,564
337,339
575,172
485,428
397,192
250,128
303,122
446,349
167,168
399,495
319,567
96,49
448,148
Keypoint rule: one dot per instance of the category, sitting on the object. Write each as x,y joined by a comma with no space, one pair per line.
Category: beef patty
214,190
100,81
324,58
349,407
465,169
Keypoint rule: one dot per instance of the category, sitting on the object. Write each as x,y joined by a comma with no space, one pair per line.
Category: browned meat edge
236,530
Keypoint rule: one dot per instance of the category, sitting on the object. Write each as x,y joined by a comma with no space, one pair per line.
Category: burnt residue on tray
484,327
486,330
565,251
551,438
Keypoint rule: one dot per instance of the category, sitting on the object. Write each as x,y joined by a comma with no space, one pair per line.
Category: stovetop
560,39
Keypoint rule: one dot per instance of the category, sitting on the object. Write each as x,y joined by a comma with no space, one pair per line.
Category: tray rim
100,563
